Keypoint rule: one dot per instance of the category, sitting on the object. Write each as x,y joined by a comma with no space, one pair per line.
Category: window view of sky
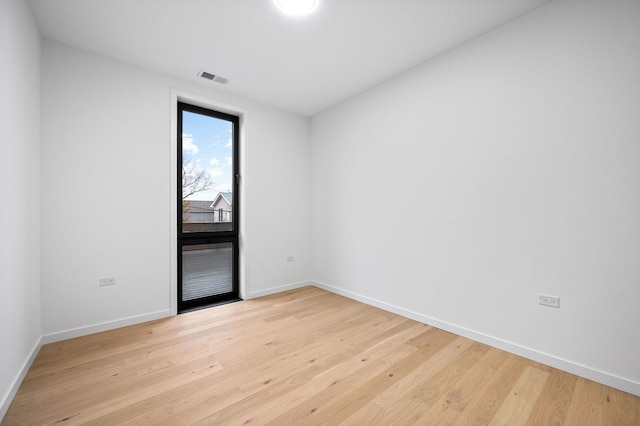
207,145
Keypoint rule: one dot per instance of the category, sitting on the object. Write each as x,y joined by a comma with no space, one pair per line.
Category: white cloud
215,172
187,143
214,162
229,143
228,160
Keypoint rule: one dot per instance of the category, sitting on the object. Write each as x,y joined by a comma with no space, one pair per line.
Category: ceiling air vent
212,77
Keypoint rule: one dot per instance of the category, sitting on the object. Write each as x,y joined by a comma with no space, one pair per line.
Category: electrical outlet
107,281
289,258
554,302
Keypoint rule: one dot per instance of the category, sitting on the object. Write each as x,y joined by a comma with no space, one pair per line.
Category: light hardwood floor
301,357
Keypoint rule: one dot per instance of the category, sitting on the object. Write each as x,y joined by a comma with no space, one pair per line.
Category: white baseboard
11,392
278,289
108,325
599,376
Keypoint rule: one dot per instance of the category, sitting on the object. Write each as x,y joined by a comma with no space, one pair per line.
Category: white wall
19,190
514,161
106,192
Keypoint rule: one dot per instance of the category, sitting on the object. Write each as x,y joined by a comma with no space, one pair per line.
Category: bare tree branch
194,180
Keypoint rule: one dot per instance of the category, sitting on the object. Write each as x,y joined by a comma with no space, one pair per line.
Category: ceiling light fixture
296,7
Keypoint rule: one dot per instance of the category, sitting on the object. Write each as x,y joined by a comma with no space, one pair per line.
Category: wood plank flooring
296,358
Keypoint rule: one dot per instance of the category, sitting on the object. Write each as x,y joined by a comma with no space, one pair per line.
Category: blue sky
207,142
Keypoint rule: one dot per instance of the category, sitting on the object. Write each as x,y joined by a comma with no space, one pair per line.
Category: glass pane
206,270
207,173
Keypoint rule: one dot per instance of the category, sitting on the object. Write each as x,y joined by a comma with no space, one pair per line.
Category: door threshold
210,305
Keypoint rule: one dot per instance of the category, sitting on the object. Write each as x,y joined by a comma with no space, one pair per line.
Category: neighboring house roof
196,206
228,197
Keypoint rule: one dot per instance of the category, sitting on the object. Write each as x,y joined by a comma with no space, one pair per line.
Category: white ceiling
303,65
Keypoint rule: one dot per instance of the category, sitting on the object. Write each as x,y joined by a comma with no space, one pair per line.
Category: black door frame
197,238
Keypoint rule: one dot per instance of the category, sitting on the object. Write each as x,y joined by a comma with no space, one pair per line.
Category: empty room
320,212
